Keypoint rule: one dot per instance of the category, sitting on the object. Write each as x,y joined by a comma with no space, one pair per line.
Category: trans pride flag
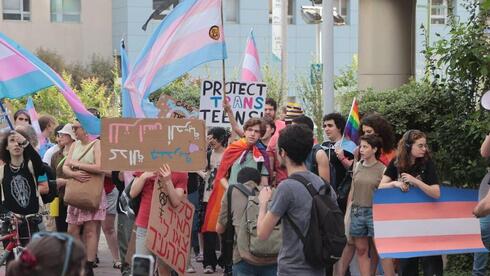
22,73
251,64
353,123
190,35
413,224
35,120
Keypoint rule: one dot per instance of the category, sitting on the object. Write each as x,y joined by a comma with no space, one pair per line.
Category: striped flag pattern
353,123
190,35
127,106
22,73
35,120
413,224
251,63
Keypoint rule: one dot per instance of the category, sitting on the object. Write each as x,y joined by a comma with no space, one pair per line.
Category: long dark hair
381,127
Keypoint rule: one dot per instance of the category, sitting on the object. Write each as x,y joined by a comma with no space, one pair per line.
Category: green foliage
273,80
98,67
185,88
310,95
92,93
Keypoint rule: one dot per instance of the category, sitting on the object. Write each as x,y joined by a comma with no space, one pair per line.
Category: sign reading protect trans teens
129,144
247,100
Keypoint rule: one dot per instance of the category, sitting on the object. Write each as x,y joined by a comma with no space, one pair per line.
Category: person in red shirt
175,185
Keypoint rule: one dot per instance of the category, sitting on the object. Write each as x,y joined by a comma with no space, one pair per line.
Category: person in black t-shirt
21,188
413,166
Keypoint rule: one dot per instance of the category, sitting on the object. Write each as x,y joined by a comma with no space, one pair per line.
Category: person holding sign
413,167
175,186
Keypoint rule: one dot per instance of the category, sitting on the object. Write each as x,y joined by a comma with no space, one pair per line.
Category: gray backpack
251,249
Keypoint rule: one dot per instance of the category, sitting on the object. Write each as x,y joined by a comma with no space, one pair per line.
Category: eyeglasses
62,237
421,146
75,128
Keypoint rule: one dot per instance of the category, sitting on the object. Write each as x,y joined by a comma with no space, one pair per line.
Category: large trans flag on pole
413,224
127,106
190,35
22,73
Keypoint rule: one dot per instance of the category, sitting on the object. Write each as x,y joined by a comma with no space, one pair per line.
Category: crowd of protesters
256,161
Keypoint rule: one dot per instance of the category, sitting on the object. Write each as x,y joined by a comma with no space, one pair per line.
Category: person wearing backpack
237,212
296,202
245,152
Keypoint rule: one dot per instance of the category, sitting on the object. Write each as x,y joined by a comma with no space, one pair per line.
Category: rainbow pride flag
351,130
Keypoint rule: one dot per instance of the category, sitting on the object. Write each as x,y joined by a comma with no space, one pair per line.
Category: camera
142,265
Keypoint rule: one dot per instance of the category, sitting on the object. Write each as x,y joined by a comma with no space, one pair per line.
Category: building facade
75,29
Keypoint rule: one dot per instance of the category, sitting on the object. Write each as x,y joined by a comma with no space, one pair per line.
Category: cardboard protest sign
169,230
170,108
130,144
247,100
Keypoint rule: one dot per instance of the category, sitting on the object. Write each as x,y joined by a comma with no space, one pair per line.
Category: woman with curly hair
376,124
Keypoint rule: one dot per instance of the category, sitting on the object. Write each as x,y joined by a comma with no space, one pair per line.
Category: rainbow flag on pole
351,130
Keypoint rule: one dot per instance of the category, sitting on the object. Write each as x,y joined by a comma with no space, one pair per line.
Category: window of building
341,7
65,10
438,12
16,10
168,4
291,11
231,9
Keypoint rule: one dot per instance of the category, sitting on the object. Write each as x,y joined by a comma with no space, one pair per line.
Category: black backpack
326,225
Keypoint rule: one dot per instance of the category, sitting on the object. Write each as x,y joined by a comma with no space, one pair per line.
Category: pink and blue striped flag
35,120
127,106
22,73
251,62
413,224
190,35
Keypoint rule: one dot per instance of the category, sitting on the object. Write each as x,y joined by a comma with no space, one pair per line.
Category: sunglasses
74,128
61,237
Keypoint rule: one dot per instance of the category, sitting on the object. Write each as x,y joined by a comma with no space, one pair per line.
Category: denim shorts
361,222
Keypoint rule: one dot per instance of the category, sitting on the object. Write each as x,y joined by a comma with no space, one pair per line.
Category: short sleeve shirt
293,199
425,172
248,162
178,179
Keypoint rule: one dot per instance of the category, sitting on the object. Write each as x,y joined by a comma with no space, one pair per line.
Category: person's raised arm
175,195
231,117
485,147
139,183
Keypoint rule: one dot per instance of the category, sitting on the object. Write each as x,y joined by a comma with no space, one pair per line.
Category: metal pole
4,111
327,57
284,49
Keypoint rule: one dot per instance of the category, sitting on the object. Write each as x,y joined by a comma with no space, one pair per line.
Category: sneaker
190,269
209,270
199,258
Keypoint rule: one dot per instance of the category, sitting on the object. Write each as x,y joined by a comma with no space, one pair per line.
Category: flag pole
6,114
223,64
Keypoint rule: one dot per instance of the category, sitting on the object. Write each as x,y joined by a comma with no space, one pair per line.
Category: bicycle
10,232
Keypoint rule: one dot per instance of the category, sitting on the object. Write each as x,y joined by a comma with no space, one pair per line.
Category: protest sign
169,230
171,108
247,100
129,144
412,224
